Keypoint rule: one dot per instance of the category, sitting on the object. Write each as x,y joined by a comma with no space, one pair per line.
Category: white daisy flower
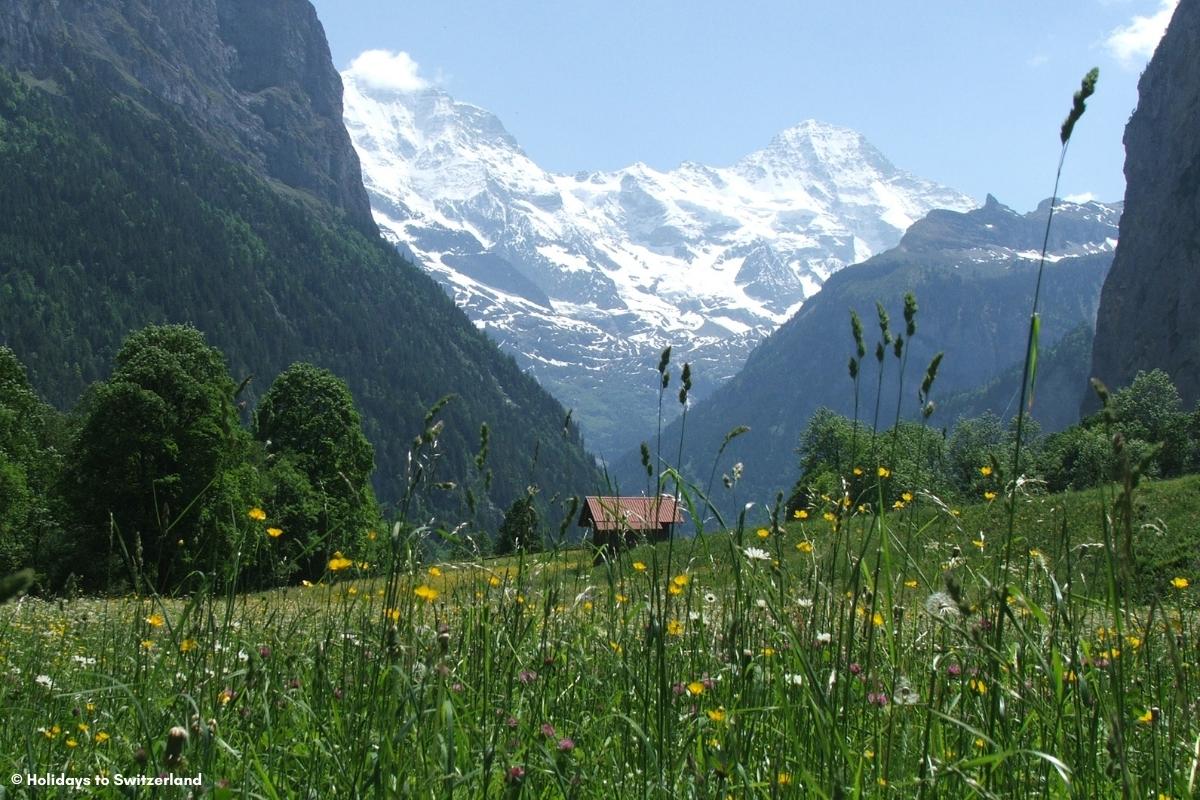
757,554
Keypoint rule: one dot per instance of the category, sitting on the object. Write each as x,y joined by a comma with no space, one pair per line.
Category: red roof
629,513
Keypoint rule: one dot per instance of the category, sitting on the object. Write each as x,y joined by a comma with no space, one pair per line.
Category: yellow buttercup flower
716,714
800,513
256,514
155,620
989,496
274,533
675,628
435,572
883,472
985,471
695,688
426,593
638,566
805,546
339,562
1179,583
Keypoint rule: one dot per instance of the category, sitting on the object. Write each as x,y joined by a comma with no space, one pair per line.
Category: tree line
152,481
1146,419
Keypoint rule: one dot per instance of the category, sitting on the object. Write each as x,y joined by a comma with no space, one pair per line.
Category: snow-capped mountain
586,277
973,275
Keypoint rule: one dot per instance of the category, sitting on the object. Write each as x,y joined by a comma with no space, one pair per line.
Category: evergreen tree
519,531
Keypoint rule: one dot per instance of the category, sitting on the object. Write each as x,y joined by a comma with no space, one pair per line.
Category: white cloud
1081,198
1133,44
383,69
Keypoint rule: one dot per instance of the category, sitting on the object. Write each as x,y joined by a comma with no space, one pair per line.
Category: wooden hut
624,520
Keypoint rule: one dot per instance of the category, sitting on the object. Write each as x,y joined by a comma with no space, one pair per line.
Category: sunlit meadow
838,653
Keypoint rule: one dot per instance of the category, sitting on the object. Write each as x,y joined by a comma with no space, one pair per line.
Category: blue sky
970,94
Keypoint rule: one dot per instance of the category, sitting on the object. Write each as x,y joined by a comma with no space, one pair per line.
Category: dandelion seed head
941,605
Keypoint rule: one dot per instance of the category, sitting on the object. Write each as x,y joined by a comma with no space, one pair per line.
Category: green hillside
116,212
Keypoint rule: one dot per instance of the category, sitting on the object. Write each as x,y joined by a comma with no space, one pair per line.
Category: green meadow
835,653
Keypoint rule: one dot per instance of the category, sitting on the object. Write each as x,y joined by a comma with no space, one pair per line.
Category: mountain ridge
273,102
972,274
585,277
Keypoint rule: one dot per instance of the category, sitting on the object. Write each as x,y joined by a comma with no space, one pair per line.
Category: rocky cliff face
1150,307
255,75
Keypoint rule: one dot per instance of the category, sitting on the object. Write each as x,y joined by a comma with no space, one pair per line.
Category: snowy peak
994,232
815,150
585,277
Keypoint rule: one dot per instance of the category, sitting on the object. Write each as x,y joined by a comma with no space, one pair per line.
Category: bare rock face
1149,313
255,75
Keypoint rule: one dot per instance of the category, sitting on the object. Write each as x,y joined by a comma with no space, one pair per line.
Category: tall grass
760,674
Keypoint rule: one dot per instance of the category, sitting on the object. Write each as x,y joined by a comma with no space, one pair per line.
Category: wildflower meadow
835,653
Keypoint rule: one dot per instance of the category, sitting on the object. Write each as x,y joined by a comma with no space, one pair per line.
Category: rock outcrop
255,75
1149,313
